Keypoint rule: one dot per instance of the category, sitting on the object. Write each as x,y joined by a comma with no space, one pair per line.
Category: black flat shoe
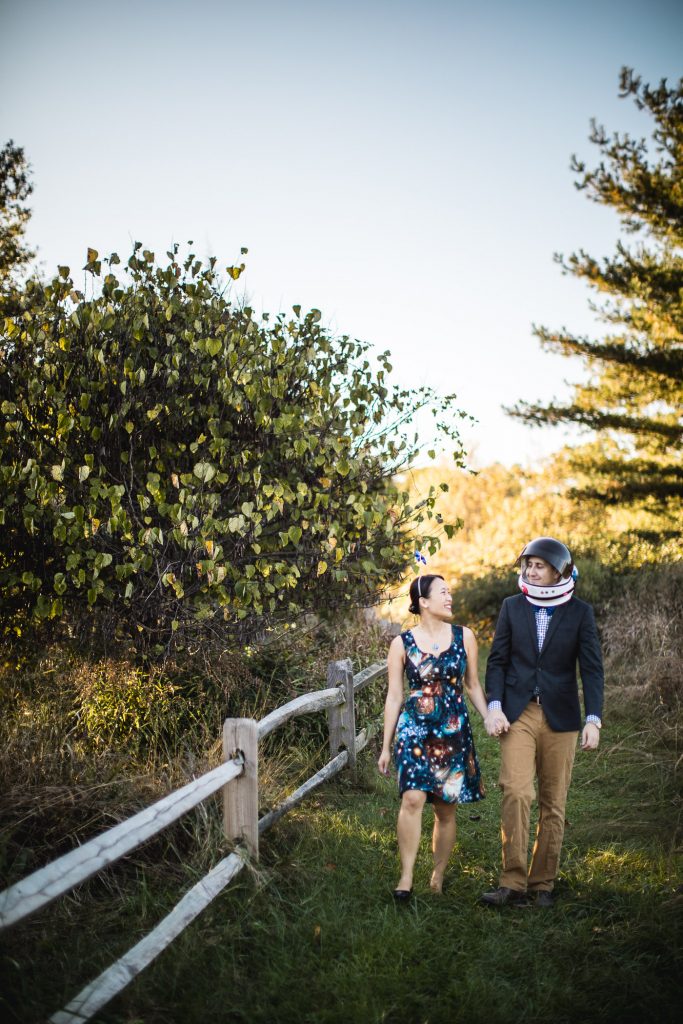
402,895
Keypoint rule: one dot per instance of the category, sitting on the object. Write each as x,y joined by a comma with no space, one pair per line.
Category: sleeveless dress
434,749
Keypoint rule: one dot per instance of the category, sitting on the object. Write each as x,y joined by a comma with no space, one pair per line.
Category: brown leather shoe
545,899
504,897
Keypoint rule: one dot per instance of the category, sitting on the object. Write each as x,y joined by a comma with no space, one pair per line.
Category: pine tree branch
645,196
541,415
667,362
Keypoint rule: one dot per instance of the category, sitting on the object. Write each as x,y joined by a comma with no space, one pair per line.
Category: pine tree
634,394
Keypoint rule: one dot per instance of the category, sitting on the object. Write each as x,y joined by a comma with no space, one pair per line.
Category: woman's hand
496,723
384,759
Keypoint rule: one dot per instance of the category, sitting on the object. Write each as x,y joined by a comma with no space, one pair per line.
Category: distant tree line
15,254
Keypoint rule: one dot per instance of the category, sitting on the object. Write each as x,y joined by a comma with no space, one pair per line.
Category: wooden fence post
240,796
342,719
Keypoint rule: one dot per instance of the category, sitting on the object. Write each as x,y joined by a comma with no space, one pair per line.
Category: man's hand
496,723
590,736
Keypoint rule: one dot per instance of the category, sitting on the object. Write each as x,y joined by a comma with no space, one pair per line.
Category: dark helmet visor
552,551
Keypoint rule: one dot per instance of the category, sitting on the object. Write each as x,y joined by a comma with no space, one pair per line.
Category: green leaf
294,533
204,471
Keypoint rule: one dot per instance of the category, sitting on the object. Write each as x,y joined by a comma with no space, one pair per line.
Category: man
533,706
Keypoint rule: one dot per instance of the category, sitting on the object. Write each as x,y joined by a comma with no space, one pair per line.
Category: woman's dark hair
420,587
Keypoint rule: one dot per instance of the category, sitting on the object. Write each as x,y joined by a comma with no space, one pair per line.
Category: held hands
496,723
590,736
384,759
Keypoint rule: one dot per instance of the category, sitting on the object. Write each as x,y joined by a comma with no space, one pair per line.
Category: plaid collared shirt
543,617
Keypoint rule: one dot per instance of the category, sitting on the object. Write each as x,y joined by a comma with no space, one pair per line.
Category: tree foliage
634,394
502,507
15,188
187,469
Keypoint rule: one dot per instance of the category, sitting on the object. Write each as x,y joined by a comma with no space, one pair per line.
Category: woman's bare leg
408,830
443,841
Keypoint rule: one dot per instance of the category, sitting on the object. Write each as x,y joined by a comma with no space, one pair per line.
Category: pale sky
404,167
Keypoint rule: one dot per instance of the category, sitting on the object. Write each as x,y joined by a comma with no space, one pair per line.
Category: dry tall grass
643,635
86,743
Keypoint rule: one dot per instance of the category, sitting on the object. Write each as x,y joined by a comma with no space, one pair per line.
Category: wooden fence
238,778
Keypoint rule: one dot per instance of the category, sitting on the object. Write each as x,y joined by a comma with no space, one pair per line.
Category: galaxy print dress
433,747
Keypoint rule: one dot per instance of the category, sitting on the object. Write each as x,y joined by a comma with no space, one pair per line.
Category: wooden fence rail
238,777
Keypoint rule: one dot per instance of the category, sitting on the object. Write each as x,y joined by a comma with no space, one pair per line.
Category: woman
434,749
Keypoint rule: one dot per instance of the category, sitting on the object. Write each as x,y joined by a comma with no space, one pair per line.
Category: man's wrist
594,720
494,705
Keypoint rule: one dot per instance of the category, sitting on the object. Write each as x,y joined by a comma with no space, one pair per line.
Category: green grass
312,935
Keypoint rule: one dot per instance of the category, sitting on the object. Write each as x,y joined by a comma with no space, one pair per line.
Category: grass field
312,934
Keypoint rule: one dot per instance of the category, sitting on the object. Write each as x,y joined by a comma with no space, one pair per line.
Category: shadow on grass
312,934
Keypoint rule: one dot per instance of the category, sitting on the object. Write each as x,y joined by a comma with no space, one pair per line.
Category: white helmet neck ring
547,597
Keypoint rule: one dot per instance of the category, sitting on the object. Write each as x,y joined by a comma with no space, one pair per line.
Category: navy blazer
515,665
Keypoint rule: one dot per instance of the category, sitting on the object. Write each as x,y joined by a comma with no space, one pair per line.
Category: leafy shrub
188,471
477,600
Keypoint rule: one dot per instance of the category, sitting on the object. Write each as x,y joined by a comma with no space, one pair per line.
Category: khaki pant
531,748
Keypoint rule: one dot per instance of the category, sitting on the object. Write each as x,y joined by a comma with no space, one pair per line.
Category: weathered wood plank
112,981
45,885
240,798
303,705
331,768
342,718
368,675
362,740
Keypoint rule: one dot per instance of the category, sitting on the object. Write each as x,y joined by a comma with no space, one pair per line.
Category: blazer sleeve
499,657
590,664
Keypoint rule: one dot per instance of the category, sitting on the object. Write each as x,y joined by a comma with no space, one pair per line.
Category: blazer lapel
531,623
